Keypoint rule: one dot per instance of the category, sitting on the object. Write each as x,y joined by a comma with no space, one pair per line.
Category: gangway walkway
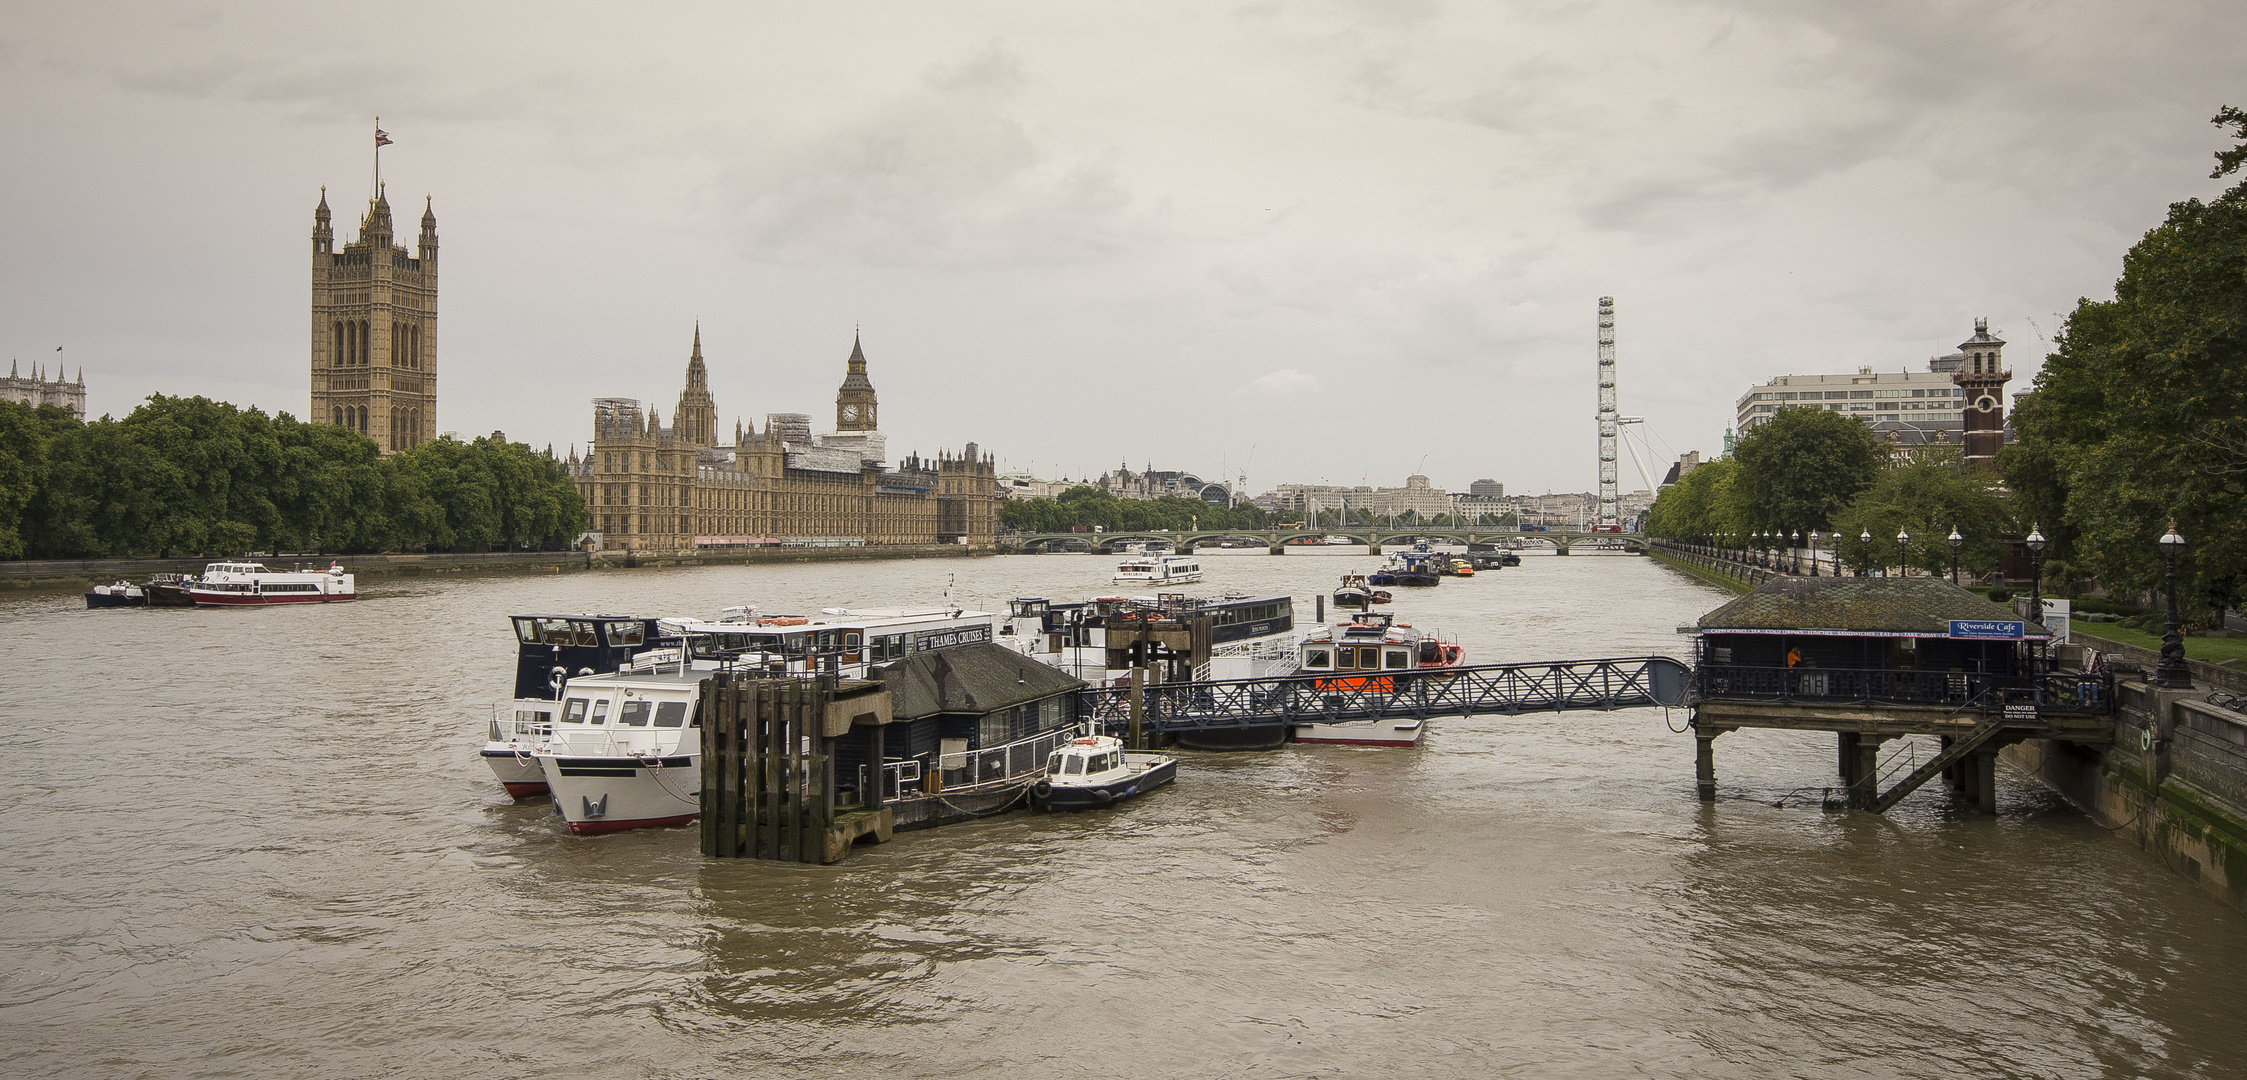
1483,689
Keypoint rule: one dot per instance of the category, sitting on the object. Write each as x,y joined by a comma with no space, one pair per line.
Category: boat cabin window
634,713
1398,659
1073,766
1427,652
670,713
573,710
526,630
632,632
1316,658
600,711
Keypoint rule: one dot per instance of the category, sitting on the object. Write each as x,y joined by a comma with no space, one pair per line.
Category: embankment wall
2174,782
79,573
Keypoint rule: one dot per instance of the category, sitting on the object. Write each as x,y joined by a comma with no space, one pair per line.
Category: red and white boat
1372,653
248,584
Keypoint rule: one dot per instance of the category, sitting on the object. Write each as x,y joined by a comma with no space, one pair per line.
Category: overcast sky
1312,242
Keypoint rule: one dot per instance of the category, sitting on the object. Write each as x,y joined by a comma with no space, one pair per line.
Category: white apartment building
1928,401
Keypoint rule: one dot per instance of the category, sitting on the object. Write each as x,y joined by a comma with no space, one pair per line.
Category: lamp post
1813,553
1794,544
1956,542
2171,672
1903,564
2035,544
1864,561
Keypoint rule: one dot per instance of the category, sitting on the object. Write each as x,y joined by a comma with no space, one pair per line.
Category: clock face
850,412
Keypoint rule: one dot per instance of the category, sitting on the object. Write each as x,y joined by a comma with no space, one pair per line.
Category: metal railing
1016,762
1505,689
2048,692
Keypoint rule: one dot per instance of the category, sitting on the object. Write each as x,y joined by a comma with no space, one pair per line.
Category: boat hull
607,794
1364,733
518,773
104,600
204,599
1094,796
1254,738
168,596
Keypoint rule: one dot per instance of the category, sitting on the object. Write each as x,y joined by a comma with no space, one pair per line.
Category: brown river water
260,843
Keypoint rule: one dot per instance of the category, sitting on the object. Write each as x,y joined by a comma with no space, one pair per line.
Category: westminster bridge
1279,540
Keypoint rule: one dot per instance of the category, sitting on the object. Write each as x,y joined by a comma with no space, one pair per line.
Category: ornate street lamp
1794,542
1956,542
1864,561
1903,565
1813,553
2171,672
2035,544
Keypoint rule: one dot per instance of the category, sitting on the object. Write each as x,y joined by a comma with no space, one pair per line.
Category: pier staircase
1960,748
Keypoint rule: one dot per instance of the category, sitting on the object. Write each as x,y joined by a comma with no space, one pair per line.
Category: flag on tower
382,138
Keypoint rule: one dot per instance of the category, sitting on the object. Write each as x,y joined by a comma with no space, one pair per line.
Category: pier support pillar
1373,549
1704,764
1846,745
1864,784
1277,550
1985,781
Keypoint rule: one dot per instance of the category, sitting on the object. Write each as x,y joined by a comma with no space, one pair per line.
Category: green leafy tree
2139,415
1802,467
1702,504
1925,496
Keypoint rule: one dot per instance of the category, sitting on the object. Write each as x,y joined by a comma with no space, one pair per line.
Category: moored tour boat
1160,569
253,585
550,650
1096,771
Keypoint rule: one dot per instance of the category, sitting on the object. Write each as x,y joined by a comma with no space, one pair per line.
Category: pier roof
1858,607
970,679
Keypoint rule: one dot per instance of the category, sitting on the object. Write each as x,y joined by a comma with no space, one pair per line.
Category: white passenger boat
253,585
626,749
1372,653
1160,570
621,748
1097,771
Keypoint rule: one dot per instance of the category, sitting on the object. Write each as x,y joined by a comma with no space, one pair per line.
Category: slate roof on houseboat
972,679
1885,606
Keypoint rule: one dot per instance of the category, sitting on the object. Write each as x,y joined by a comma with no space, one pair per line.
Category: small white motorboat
1096,771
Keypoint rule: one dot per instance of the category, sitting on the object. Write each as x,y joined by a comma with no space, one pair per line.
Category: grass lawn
2196,648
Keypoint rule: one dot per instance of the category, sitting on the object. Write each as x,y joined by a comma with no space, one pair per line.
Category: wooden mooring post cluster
768,766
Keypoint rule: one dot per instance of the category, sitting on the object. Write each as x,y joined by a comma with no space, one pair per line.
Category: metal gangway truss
1478,690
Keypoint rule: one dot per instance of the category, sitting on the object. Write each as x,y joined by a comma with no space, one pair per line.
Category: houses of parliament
655,489
651,489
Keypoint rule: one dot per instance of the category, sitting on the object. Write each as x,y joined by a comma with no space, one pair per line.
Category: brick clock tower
374,329
1983,377
854,403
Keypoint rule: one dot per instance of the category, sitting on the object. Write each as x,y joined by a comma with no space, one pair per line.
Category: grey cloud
950,176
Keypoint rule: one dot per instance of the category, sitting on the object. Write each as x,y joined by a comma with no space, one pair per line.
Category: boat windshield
1317,658
1073,766
573,711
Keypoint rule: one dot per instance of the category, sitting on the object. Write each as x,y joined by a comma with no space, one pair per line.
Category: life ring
559,676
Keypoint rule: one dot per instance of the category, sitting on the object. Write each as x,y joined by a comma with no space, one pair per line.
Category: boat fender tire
1042,790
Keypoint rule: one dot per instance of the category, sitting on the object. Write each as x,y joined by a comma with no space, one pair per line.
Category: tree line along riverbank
181,476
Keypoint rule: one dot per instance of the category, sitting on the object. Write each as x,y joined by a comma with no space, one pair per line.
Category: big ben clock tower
854,403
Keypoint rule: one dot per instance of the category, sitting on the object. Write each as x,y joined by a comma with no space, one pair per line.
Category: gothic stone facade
36,390
374,329
664,490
